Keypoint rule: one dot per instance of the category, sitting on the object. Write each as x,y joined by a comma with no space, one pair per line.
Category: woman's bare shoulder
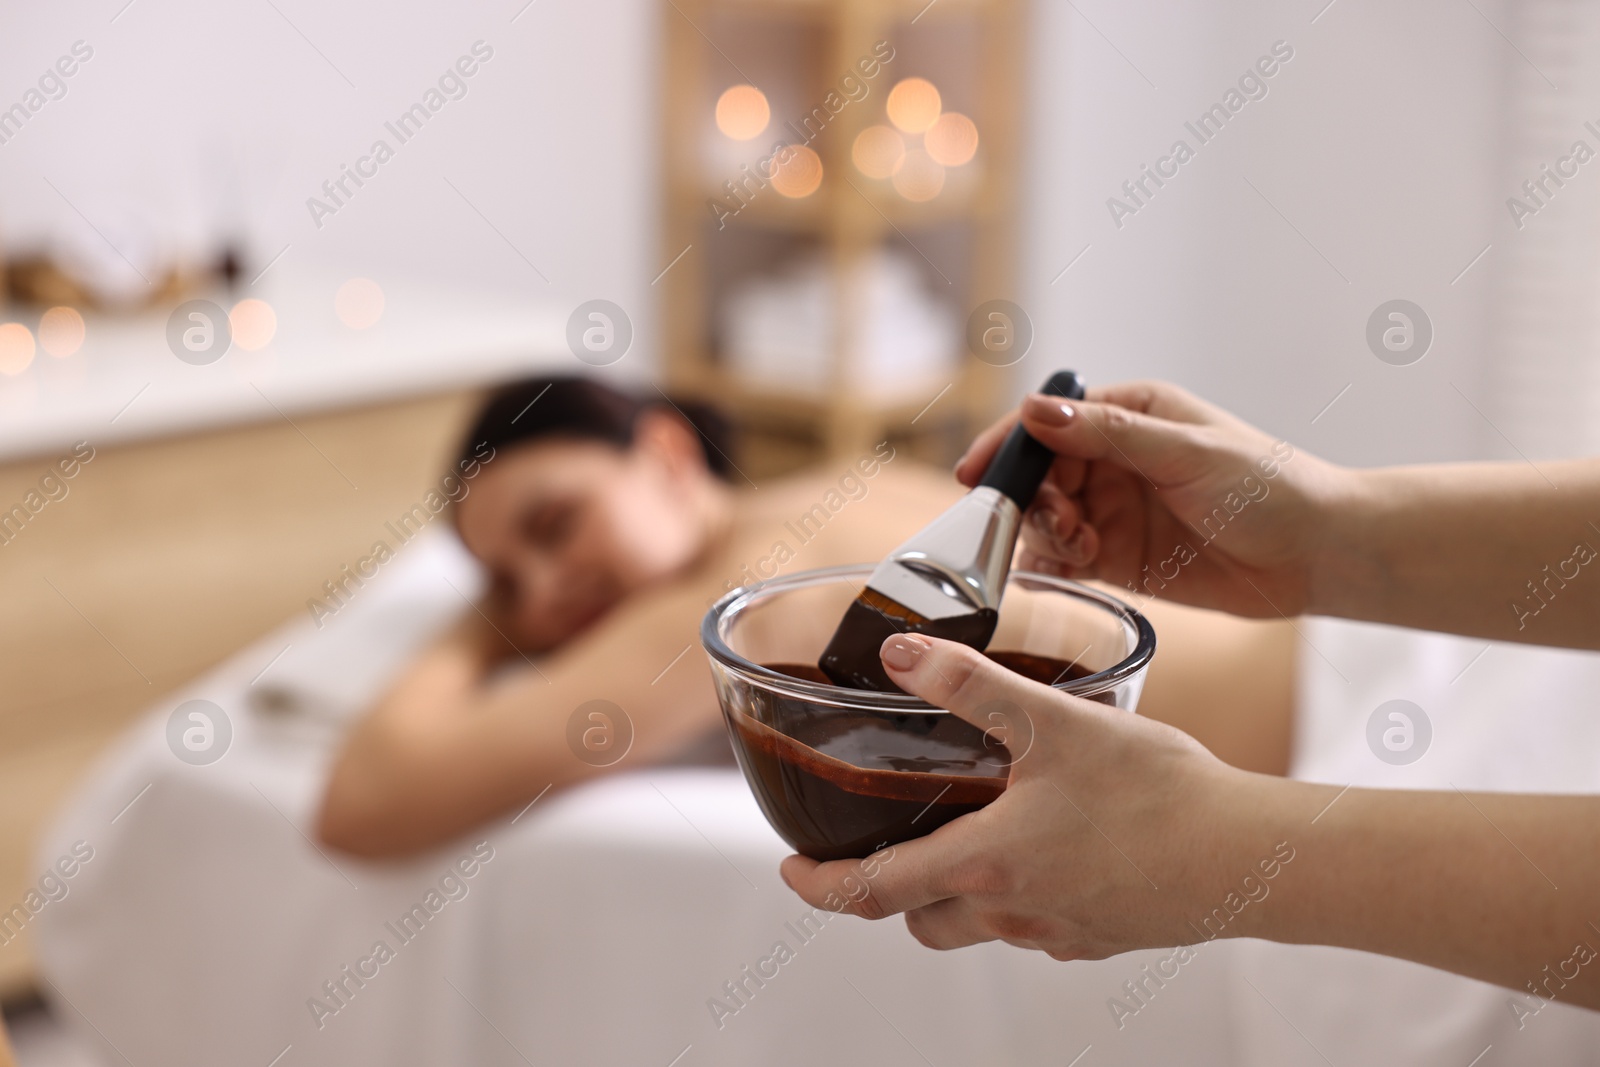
845,511
837,483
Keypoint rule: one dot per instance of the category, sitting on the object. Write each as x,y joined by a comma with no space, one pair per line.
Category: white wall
1378,140
1545,370
189,106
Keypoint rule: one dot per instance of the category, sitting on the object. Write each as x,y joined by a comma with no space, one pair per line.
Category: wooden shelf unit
849,216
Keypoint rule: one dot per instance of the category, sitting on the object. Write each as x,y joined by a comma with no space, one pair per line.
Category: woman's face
567,528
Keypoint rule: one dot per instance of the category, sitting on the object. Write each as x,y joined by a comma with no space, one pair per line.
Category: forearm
448,748
408,775
1488,550
407,782
1504,888
1227,682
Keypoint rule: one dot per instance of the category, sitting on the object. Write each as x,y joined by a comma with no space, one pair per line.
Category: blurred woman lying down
607,526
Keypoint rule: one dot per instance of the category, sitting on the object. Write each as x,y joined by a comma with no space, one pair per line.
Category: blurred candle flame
253,323
878,152
952,140
16,348
920,178
800,175
359,303
913,105
61,331
742,112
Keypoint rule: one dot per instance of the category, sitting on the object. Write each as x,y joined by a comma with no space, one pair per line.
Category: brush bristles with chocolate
947,581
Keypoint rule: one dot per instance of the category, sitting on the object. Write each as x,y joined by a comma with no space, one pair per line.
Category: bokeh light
913,104
953,140
61,331
800,175
253,323
359,303
742,112
16,348
878,151
920,178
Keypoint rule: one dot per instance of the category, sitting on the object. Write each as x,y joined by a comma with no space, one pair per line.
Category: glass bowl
842,772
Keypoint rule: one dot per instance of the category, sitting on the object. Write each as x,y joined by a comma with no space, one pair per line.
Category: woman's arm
1117,833
448,747
1227,682
1157,491
444,749
1495,886
1495,550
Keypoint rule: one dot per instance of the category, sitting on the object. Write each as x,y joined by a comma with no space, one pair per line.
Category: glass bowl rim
710,640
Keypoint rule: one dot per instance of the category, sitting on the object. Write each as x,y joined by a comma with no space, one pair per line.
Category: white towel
330,670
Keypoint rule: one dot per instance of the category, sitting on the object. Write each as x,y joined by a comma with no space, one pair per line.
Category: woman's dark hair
574,407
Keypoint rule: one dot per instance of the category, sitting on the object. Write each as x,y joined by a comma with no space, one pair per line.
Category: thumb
1165,452
1011,710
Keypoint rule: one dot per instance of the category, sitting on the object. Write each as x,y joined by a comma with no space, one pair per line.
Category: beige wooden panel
164,558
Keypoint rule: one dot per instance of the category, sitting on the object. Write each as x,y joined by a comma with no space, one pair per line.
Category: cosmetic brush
947,580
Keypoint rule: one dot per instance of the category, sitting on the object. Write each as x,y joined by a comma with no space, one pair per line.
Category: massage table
636,919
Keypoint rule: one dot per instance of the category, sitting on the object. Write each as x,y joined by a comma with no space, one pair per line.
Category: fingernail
901,652
963,458
1046,522
785,876
1049,410
1074,544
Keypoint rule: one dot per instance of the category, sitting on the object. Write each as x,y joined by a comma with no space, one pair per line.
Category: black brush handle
1022,462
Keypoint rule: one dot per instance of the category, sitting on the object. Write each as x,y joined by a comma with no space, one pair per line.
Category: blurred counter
126,383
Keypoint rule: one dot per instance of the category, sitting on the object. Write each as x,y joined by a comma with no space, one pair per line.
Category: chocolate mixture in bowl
843,782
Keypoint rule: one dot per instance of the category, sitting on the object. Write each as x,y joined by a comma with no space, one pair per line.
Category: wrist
1345,571
1289,835
1252,848
1320,837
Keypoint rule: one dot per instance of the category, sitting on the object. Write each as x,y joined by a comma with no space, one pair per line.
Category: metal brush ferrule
958,563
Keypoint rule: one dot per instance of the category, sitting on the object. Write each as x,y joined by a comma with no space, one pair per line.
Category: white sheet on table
613,913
